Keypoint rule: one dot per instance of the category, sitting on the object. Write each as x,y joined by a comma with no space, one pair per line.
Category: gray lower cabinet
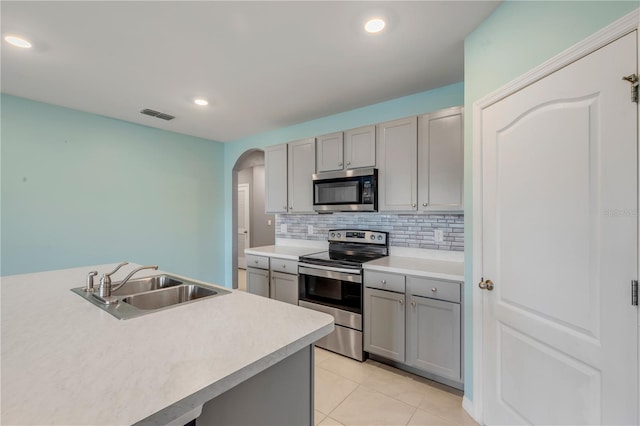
416,322
284,287
258,281
433,336
384,323
258,275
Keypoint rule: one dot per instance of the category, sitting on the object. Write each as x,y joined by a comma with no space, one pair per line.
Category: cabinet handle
424,204
413,204
340,164
290,207
256,262
401,301
348,163
383,282
413,303
434,289
284,207
284,266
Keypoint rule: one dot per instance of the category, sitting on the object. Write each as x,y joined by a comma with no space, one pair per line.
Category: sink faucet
105,282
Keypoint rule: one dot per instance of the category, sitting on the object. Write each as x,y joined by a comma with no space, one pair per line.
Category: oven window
331,292
344,192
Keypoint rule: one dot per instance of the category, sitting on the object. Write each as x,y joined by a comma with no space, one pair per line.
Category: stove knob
373,237
339,235
333,234
379,237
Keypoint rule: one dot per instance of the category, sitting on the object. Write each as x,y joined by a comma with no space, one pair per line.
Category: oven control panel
358,236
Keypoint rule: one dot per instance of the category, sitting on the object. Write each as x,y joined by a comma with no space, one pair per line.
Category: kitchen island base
280,395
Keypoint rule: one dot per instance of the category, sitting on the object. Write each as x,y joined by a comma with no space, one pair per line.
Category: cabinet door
302,164
329,152
275,168
433,337
360,147
398,164
258,281
441,161
384,323
284,287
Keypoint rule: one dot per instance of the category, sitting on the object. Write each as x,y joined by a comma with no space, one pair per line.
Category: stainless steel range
331,282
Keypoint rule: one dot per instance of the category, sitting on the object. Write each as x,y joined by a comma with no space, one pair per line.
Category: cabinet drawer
286,266
434,289
384,281
261,262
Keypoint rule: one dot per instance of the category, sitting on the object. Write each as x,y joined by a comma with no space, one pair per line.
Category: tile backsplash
405,230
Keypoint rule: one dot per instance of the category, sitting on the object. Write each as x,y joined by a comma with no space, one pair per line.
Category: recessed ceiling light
18,42
374,25
201,102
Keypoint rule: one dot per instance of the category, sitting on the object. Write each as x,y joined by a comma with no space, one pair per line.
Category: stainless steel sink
143,296
141,285
169,296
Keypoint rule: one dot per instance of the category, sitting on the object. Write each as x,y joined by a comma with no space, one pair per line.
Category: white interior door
559,196
244,214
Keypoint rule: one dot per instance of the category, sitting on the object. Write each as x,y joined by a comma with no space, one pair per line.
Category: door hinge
633,80
634,292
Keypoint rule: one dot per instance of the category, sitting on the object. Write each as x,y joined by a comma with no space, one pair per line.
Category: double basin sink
143,296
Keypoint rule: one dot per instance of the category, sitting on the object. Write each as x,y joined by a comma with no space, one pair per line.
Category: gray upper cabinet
360,147
288,170
329,152
302,164
275,166
352,149
441,161
398,167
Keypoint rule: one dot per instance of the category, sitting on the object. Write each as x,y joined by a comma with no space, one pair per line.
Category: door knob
486,284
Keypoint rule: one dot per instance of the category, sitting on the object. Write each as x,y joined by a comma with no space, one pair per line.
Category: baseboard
468,406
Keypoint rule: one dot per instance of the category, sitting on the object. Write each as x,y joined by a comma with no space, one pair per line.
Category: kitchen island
65,361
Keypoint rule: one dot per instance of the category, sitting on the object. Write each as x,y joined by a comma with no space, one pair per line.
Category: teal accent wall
419,103
517,37
81,189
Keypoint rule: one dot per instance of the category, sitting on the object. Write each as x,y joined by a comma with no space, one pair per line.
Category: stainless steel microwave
346,191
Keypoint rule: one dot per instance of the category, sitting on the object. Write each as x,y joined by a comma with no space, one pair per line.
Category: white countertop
65,361
430,268
282,251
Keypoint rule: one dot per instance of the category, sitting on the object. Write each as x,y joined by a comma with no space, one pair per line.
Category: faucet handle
90,276
115,270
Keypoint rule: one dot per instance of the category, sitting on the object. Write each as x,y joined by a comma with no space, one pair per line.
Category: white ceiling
262,65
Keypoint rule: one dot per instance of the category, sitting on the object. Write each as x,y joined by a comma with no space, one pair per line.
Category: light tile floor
349,392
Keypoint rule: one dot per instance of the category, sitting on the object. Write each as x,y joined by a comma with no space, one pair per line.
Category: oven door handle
352,275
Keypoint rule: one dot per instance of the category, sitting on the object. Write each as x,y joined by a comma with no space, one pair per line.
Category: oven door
339,288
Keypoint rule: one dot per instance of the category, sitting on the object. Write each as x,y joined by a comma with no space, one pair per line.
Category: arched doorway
248,177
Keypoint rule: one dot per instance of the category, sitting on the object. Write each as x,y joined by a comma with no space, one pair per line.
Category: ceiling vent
157,114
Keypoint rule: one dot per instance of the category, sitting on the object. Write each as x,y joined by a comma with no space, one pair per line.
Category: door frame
248,209
613,31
